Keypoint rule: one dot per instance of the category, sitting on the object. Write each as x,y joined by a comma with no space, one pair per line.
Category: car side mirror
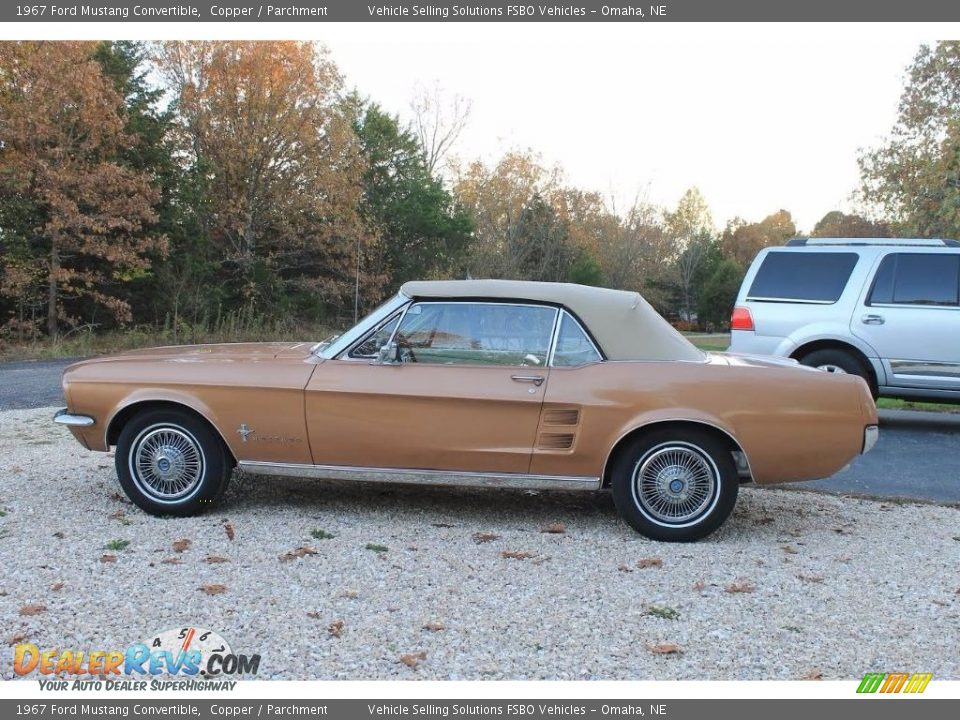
389,354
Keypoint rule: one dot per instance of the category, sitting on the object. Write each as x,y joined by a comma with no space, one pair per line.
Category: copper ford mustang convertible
487,383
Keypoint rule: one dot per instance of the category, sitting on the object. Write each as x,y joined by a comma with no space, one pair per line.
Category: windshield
336,344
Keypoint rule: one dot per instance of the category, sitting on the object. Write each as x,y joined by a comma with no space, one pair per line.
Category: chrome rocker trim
65,418
421,477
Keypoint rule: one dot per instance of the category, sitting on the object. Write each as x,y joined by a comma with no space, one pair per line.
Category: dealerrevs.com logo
910,683
191,652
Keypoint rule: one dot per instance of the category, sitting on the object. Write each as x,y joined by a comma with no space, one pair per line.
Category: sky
758,116
758,120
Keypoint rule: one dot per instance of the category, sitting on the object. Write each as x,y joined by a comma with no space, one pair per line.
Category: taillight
741,319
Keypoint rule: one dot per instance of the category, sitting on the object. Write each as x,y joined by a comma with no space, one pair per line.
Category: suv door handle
535,379
872,320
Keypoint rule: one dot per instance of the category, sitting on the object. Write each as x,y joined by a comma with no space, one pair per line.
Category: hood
220,352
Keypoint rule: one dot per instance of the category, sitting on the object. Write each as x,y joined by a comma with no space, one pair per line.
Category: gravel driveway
795,585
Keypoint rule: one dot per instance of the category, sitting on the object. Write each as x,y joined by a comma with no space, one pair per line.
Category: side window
815,277
471,333
371,346
573,346
917,279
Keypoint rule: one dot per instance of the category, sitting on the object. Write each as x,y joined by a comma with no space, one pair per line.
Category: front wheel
170,462
676,486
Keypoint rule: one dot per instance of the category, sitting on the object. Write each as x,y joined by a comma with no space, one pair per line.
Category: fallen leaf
515,554
941,603
313,615
624,569
411,660
16,638
664,649
480,538
228,529
213,559
813,675
108,558
699,586
213,589
740,587
350,594
118,515
171,560
300,552
33,609
841,531
556,528
57,586
789,549
181,545
765,520
59,535
120,498
810,578
434,626
649,562
335,629
442,525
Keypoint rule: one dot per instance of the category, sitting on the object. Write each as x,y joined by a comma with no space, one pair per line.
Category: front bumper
871,433
63,417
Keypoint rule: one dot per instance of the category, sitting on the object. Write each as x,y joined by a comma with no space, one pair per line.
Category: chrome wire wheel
166,463
675,483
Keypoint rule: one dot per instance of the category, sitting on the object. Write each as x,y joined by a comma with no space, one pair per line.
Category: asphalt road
917,456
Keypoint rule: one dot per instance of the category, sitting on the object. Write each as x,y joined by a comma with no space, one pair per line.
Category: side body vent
556,441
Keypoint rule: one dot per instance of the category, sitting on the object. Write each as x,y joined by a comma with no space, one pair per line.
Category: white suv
885,309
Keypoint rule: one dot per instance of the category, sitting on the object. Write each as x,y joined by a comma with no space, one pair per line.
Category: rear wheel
171,462
675,485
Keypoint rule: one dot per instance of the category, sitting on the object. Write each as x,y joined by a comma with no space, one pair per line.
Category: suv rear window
803,276
917,279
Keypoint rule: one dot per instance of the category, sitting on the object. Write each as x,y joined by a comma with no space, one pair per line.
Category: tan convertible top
623,323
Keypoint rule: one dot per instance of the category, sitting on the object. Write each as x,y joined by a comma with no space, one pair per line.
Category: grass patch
117,545
663,611
377,548
898,404
3,513
321,534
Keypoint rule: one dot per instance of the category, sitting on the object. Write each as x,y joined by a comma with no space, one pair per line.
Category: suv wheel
836,361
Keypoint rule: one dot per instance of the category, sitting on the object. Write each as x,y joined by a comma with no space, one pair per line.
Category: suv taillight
741,319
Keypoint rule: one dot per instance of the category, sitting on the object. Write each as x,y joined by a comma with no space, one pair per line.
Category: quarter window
573,346
817,277
469,333
917,279
371,346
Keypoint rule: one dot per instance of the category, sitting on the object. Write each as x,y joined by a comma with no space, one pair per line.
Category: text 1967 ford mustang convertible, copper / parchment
488,383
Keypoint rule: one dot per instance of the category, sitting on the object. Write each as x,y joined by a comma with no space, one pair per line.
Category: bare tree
438,123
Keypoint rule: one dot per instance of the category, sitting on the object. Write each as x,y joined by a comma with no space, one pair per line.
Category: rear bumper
63,417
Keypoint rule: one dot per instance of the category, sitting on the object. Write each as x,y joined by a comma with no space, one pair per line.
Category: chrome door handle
535,379
872,320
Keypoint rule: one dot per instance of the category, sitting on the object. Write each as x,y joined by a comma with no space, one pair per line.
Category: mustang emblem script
245,431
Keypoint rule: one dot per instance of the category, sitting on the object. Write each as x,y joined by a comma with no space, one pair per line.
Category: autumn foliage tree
267,123
913,179
73,218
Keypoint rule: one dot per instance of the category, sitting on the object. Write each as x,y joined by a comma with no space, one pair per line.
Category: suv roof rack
909,242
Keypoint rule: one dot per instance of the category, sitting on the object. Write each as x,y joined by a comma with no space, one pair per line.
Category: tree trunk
52,290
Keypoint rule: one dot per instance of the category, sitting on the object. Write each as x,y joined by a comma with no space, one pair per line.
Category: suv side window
917,279
813,277
473,333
